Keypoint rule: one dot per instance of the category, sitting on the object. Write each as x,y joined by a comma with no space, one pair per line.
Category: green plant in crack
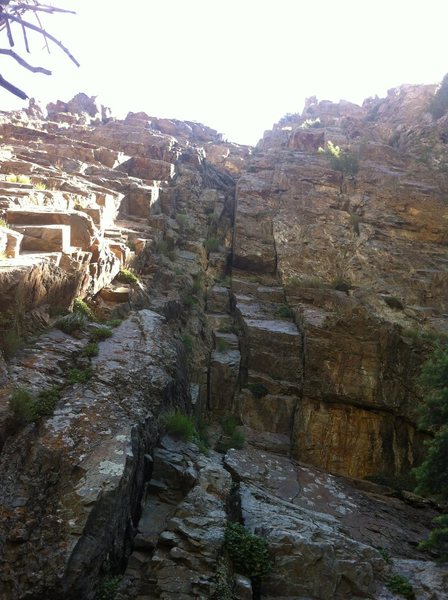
187,341
127,276
222,345
78,375
72,323
398,584
82,308
100,333
234,437
90,350
29,408
249,552
212,244
258,389
284,311
108,588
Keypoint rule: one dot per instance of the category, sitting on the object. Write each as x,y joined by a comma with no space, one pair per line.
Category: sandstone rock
45,238
82,229
10,242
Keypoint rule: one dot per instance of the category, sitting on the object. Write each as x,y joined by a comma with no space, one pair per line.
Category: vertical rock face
360,250
71,486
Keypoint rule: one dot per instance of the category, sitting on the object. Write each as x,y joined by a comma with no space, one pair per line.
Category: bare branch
39,22
9,32
25,39
23,63
42,32
12,88
42,8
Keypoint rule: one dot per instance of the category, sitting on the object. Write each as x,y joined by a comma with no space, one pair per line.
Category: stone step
82,229
10,242
45,238
30,258
116,295
225,341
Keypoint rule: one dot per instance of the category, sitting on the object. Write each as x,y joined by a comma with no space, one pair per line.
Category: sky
235,65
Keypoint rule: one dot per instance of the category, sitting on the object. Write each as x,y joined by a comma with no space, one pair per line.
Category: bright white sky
235,65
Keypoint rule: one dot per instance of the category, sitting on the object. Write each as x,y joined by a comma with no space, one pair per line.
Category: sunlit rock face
362,259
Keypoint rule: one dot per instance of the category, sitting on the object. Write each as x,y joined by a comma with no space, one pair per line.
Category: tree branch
12,88
23,63
42,8
25,39
42,32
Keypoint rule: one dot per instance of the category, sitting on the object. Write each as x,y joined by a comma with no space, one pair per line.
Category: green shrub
23,405
28,408
237,440
285,312
341,284
258,389
188,300
90,350
3,222
12,178
71,323
131,245
114,322
234,437
341,160
249,552
10,342
438,538
40,186
108,588
100,333
78,375
400,585
126,276
80,307
385,555
229,425
162,247
310,123
212,244
187,341
222,345
180,425
183,220
47,399
197,283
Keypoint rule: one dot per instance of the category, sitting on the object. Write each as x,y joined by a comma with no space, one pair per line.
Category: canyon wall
296,286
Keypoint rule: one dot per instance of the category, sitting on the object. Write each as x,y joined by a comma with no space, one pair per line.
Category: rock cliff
296,286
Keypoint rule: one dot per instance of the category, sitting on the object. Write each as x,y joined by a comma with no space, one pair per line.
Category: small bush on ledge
71,323
126,276
82,308
100,333
180,425
401,586
249,552
79,375
212,244
28,408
